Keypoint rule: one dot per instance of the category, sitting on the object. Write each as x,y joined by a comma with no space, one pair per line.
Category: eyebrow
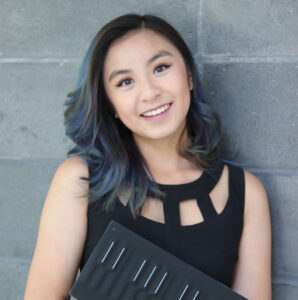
150,60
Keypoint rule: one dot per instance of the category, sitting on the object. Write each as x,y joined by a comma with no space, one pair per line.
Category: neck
162,156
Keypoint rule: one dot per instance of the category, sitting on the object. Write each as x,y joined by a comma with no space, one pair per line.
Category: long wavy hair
107,145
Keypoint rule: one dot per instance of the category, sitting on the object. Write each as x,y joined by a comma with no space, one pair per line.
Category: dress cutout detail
211,245
198,189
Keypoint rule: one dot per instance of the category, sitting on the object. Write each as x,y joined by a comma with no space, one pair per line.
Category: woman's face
143,71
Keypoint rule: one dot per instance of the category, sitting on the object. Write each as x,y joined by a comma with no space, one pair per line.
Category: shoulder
255,195
74,166
253,182
71,170
67,183
255,203
68,189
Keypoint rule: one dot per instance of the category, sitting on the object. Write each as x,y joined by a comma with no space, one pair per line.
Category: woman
141,124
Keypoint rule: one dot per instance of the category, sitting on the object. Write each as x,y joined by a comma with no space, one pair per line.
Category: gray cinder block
31,107
250,27
48,29
258,105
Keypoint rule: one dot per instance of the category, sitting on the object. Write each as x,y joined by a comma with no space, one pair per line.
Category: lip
159,116
155,108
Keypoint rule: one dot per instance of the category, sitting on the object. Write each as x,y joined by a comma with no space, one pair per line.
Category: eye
127,79
120,83
164,65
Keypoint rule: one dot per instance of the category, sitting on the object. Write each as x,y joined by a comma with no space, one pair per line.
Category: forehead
136,46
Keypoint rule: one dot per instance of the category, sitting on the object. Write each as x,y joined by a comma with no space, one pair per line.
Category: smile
157,111
156,114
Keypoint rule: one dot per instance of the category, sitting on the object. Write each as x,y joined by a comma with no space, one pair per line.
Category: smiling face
143,71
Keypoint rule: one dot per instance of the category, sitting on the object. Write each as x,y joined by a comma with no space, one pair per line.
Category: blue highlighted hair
114,160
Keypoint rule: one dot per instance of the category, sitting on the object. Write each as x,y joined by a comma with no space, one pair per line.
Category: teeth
156,112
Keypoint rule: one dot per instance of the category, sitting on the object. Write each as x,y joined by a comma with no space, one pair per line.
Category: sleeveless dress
210,246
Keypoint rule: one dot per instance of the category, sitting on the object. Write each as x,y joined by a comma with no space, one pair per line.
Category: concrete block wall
247,54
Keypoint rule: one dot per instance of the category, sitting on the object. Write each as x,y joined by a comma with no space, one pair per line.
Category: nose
149,89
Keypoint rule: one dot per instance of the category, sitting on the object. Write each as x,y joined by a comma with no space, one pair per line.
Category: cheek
125,109
180,91
178,83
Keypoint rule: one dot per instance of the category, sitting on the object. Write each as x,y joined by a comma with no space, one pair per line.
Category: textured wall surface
247,54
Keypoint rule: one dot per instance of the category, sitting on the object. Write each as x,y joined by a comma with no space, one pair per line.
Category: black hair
114,160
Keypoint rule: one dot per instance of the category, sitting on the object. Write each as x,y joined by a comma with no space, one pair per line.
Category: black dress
211,245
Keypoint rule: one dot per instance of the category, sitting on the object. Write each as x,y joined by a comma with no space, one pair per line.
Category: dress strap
237,185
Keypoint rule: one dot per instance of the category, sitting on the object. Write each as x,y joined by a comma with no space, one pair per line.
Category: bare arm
61,235
252,277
